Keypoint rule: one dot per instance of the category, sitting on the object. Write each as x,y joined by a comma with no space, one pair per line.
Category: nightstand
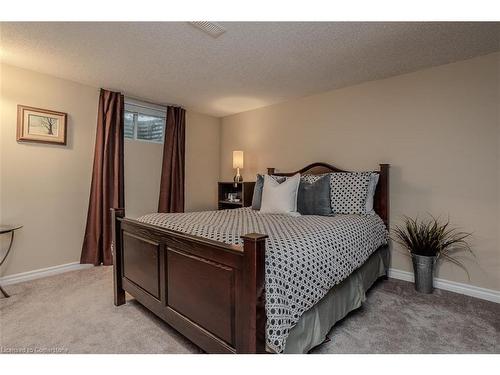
243,191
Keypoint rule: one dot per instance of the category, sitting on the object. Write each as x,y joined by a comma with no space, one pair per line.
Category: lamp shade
237,159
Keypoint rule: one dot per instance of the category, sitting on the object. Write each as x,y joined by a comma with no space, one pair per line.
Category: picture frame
41,125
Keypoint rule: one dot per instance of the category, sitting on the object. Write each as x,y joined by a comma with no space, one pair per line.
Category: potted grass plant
428,241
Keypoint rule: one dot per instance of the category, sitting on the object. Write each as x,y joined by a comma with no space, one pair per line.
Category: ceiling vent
211,28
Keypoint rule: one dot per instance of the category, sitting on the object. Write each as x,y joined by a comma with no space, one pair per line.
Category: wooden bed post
119,292
254,313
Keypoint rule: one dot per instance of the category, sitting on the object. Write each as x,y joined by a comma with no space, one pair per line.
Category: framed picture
40,125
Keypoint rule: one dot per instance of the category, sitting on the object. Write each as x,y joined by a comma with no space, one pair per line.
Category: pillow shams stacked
349,193
313,197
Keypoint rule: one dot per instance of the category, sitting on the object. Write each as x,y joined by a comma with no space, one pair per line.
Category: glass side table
8,229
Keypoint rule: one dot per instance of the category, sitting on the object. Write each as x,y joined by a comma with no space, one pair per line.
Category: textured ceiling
252,65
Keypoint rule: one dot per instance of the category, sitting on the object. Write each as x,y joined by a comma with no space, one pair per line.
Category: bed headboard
381,199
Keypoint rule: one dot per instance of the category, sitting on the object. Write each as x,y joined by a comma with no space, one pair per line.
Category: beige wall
202,161
438,128
142,164
46,187
142,185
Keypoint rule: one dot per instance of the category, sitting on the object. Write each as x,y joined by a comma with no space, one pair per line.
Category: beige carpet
74,313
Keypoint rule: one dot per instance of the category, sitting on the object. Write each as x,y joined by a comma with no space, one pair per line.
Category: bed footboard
210,292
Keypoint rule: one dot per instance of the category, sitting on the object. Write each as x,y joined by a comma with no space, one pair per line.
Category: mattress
305,255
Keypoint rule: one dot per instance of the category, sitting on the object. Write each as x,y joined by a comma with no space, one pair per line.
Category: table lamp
237,164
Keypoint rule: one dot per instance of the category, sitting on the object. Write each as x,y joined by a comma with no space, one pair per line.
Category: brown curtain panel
172,170
106,190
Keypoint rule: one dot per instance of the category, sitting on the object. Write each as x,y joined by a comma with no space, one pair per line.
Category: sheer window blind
144,121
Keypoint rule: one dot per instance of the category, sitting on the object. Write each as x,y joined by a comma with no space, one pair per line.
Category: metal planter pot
423,268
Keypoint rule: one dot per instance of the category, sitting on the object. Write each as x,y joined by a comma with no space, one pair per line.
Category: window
144,121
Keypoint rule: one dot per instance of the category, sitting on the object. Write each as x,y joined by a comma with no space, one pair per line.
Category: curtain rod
145,100
150,102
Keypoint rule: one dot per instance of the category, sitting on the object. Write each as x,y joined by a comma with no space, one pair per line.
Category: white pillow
280,198
372,186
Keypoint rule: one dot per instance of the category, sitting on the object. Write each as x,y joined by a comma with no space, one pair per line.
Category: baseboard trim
43,272
452,286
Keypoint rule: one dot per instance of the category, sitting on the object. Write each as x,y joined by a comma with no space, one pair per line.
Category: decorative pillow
313,197
257,190
349,191
372,186
313,177
280,198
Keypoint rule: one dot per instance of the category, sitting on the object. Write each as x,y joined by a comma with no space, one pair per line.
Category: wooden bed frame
211,292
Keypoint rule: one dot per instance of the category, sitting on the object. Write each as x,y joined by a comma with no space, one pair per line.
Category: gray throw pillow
314,197
257,190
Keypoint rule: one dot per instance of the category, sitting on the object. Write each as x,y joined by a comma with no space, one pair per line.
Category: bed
237,281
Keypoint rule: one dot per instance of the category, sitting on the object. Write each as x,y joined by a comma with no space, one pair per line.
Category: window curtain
106,190
172,171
